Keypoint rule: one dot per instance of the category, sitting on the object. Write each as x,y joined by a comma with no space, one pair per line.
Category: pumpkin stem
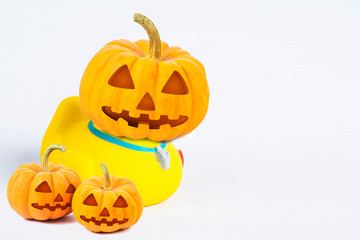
46,155
155,43
106,175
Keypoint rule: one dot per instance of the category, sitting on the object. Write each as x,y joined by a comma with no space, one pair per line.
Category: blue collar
119,142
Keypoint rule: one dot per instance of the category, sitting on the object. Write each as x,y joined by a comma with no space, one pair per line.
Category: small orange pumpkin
107,204
42,192
145,89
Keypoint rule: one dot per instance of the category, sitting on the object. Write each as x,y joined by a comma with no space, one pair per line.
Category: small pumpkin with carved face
42,192
145,89
107,204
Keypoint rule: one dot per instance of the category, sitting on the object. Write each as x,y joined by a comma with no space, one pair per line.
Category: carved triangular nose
146,103
58,198
104,213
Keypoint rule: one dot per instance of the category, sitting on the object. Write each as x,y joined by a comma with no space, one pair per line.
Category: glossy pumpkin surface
107,204
145,89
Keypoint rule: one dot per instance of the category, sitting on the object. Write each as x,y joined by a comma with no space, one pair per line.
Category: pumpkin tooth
134,114
164,130
154,116
124,126
165,127
143,129
103,221
143,126
122,123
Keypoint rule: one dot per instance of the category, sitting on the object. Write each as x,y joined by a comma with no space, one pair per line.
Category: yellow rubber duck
155,167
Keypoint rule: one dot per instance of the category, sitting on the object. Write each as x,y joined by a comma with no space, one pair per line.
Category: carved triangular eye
175,85
90,200
43,187
70,189
122,78
120,202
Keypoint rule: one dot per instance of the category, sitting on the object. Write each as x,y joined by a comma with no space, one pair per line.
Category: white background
278,154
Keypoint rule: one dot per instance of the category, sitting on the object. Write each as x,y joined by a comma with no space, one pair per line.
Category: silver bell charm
163,157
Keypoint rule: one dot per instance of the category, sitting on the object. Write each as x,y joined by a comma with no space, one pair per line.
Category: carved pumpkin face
107,207
127,92
51,195
42,192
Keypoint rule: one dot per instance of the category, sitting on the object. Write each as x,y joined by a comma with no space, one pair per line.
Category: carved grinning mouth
144,119
103,221
51,208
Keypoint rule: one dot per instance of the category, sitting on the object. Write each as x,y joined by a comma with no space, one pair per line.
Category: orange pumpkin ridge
124,73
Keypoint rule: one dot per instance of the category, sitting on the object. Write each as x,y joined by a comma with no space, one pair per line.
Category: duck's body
85,151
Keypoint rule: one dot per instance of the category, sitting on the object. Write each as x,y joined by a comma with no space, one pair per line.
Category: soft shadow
116,232
68,219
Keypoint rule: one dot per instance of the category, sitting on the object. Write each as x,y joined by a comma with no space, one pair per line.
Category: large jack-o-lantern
42,192
145,89
107,204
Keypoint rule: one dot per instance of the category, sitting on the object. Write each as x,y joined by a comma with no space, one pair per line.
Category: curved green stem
46,155
154,37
